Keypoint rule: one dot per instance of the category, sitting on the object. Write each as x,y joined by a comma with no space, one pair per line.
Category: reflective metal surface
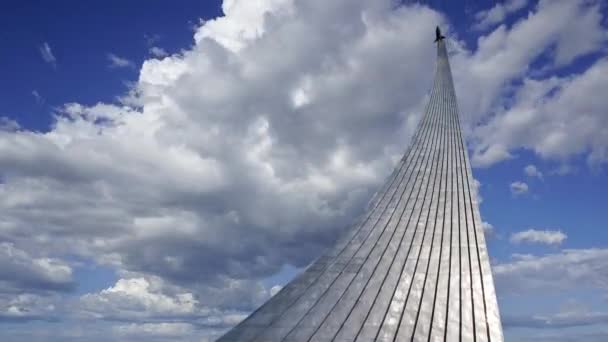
414,268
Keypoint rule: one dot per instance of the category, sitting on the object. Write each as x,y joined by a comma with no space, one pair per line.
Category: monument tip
438,35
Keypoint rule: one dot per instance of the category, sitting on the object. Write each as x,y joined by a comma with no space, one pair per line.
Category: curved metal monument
415,268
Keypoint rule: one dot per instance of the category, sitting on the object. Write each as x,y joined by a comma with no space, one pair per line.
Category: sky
165,169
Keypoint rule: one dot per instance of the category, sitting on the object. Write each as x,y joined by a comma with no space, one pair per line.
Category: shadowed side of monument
414,268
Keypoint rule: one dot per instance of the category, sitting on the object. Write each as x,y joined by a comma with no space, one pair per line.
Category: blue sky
164,169
81,36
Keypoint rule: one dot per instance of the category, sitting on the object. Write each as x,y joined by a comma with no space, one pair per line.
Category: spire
414,267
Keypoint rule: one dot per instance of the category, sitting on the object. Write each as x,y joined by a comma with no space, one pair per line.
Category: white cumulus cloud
518,188
533,172
136,297
497,14
570,269
555,117
158,52
546,236
21,271
119,62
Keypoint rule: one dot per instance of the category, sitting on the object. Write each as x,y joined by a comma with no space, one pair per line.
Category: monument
414,268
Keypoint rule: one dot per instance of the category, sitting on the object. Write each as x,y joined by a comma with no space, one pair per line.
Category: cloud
119,62
557,118
589,334
210,189
154,330
8,125
152,299
488,229
31,286
47,54
574,320
497,14
144,305
558,320
557,296
243,22
476,190
564,169
39,99
548,237
518,188
533,172
158,52
20,271
151,39
490,156
187,176
26,307
570,269
136,298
